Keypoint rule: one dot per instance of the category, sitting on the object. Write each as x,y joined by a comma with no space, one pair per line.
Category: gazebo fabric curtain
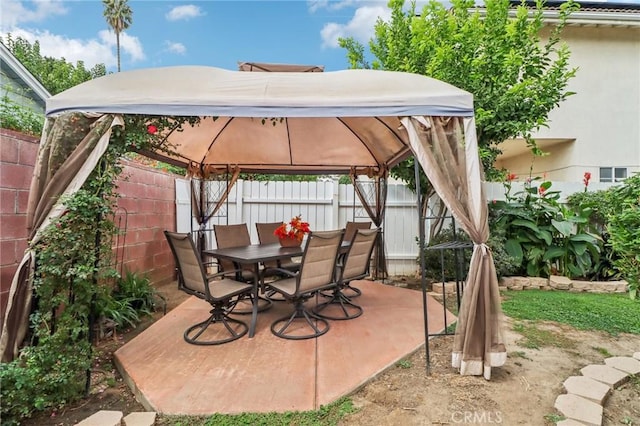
70,148
203,208
446,148
375,204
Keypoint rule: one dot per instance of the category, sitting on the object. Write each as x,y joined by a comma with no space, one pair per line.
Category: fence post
239,186
335,204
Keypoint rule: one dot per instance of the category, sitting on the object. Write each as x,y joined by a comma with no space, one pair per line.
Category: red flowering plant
295,229
586,179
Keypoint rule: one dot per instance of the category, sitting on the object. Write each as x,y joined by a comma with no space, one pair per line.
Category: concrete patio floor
267,373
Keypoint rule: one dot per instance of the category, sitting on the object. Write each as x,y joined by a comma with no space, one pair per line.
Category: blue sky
185,32
206,32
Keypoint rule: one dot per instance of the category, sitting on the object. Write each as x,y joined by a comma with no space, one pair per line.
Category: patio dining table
253,255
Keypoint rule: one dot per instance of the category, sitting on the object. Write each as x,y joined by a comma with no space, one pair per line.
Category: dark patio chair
317,272
237,235
271,268
266,236
351,228
221,293
350,231
228,236
354,265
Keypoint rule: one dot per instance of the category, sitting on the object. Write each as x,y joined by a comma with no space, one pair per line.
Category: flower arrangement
294,230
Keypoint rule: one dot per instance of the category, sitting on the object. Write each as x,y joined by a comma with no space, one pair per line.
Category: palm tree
119,17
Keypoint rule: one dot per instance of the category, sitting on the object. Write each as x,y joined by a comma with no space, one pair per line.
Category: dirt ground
520,393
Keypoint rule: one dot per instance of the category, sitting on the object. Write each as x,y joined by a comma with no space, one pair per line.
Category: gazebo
355,122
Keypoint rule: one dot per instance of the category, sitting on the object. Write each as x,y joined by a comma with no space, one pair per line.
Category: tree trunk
118,48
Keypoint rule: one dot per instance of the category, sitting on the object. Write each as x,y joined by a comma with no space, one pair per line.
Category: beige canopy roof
296,122
276,122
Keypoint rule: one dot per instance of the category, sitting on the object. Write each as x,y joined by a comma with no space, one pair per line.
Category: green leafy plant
543,236
512,61
624,231
19,117
55,74
404,363
441,264
137,291
74,270
599,205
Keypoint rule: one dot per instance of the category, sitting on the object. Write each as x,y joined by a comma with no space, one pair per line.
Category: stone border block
580,409
624,363
587,388
560,283
569,422
103,418
147,418
605,374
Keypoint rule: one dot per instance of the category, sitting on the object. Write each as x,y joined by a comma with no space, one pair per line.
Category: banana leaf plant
545,237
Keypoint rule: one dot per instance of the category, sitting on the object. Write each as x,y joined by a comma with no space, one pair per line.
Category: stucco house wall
599,126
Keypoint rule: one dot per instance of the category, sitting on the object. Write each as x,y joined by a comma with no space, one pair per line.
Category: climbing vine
74,268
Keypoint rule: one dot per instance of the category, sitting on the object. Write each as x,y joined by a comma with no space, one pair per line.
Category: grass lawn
613,313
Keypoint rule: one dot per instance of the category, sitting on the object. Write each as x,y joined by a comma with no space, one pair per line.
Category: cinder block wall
147,203
147,208
18,155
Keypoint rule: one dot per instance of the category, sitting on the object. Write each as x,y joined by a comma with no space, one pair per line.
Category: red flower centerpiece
291,234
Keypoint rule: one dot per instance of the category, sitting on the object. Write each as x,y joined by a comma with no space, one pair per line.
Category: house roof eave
14,64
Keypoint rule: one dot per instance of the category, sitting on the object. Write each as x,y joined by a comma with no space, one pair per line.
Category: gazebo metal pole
423,277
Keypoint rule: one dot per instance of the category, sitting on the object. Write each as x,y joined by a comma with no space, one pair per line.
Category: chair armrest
223,273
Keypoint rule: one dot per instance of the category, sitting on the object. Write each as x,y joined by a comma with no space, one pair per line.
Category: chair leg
347,309
218,316
352,291
274,296
319,325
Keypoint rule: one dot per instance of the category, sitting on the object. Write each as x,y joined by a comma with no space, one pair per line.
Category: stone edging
115,418
586,395
556,282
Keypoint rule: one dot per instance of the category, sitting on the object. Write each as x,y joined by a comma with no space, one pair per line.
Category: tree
56,75
119,17
497,53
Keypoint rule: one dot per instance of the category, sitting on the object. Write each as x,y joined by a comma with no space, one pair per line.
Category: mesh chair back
231,236
191,273
356,264
265,232
266,236
352,227
319,260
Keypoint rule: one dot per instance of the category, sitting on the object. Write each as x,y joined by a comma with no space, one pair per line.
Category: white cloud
91,52
16,12
175,47
129,45
360,27
185,12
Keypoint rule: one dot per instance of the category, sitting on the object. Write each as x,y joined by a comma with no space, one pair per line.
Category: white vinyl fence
326,205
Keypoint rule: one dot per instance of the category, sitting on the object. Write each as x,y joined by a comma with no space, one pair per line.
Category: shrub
543,236
624,229
441,264
45,376
137,291
436,259
601,204
20,118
